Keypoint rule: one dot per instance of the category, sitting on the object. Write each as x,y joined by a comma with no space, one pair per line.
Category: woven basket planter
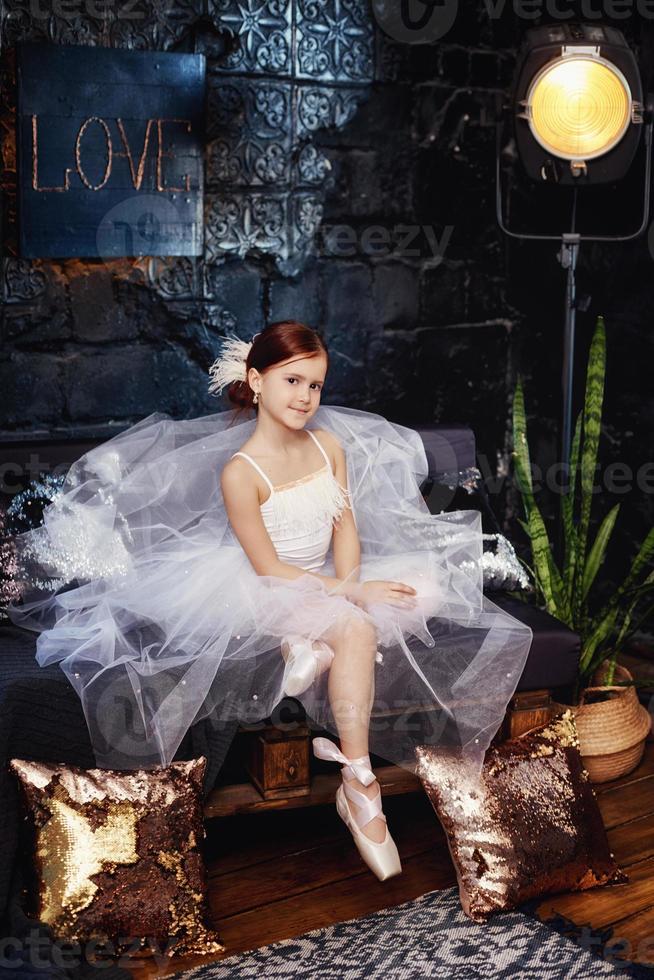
612,733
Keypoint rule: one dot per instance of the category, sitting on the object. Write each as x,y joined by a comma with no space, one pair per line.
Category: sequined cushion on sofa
530,827
116,854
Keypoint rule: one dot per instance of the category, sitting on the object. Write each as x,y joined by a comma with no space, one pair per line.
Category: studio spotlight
578,105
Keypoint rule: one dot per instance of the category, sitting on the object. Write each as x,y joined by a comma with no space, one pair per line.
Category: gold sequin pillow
530,827
116,856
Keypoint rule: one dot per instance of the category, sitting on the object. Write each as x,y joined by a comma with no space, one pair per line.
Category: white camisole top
299,515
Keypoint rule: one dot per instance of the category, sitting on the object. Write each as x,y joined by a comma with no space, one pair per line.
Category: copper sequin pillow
532,826
116,855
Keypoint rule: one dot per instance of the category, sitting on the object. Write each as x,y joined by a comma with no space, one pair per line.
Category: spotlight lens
580,107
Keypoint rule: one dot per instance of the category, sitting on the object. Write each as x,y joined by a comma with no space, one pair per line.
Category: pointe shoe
382,858
304,662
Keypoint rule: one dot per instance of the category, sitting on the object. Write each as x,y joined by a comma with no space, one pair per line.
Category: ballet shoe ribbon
324,749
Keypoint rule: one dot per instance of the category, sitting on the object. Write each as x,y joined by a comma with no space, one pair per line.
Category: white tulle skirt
141,592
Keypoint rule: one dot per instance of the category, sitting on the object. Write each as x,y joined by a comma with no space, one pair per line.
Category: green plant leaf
642,589
595,642
627,630
521,449
598,550
546,575
645,555
567,516
622,632
592,419
525,528
608,677
528,568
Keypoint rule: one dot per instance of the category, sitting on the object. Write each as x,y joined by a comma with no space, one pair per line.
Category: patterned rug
428,937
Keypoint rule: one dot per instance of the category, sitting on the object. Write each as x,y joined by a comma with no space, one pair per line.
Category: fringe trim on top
301,507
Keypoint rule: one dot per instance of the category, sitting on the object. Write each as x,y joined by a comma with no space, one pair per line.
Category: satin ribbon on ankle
368,809
324,749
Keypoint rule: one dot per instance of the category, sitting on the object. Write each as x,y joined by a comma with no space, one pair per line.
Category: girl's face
290,391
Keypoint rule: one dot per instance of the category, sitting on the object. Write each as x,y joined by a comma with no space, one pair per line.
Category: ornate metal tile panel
334,40
252,123
262,32
296,67
321,106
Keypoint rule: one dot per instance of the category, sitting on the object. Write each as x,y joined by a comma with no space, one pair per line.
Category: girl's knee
355,630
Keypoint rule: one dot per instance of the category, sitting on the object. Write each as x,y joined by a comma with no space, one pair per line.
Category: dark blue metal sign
110,152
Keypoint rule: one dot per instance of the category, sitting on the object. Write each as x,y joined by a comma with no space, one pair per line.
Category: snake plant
566,591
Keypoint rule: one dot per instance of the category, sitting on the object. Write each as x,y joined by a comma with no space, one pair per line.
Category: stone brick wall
429,312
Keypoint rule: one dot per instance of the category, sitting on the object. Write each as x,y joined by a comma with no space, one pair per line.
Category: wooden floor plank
311,868
245,841
348,898
633,937
628,802
606,904
632,841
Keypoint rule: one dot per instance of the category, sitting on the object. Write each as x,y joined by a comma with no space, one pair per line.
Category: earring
256,397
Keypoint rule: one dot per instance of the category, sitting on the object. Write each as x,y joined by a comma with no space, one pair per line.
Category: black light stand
568,255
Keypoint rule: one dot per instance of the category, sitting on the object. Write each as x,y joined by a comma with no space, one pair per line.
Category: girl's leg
351,688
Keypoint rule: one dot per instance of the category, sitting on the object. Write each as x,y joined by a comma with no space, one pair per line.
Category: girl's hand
394,593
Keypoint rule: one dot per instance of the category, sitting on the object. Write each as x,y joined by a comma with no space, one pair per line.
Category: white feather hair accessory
229,366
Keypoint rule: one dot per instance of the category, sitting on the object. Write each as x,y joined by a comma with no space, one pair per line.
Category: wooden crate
277,762
527,710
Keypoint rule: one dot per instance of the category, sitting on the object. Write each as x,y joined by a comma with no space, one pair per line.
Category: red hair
276,343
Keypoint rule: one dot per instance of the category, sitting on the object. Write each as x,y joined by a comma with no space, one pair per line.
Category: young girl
278,543
214,566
